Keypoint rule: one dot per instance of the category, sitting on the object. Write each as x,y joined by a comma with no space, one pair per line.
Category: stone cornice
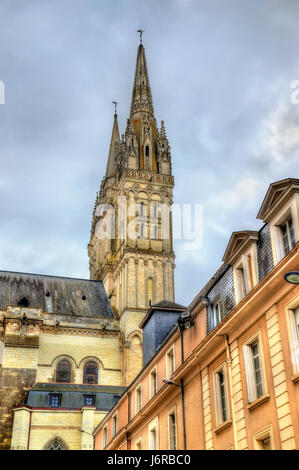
73,331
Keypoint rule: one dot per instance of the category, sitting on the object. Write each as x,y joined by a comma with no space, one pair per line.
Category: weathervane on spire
140,31
115,107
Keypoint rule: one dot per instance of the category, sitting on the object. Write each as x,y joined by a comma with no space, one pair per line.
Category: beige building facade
226,376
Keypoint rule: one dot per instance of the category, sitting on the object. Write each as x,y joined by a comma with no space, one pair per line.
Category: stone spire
114,145
142,97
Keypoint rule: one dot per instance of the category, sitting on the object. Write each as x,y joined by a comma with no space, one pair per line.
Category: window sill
295,378
223,426
258,402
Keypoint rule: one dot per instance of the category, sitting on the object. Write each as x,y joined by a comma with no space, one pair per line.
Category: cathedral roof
54,294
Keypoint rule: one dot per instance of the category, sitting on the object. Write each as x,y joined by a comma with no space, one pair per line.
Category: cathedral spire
115,140
142,97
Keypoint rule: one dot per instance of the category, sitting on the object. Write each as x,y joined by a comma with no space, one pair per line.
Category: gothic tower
131,248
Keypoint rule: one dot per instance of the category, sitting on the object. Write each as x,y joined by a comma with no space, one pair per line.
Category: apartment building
223,373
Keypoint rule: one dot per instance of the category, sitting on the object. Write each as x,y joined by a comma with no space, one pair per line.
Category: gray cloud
220,74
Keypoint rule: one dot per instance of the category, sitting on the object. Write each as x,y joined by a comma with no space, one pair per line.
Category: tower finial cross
140,31
115,107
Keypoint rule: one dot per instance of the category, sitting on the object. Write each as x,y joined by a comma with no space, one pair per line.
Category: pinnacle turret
114,143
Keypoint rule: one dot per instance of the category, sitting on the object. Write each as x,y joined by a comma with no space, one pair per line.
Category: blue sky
221,75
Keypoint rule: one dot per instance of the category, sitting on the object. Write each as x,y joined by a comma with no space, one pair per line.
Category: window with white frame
254,370
138,399
138,445
221,396
294,326
170,362
153,383
172,430
216,313
288,235
153,436
244,276
114,425
105,437
263,440
283,233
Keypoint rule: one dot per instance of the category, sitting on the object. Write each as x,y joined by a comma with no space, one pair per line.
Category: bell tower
131,247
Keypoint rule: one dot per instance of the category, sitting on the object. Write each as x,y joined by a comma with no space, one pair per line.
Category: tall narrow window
114,425
142,230
253,369
147,151
170,363
153,439
217,313
172,431
138,445
138,398
105,437
63,371
257,368
90,373
150,291
221,396
264,440
153,381
294,324
241,282
288,235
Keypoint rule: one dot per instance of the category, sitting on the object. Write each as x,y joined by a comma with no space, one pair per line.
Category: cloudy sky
221,74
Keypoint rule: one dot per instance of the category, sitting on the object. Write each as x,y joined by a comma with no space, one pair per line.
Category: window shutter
219,403
249,374
246,274
278,243
295,338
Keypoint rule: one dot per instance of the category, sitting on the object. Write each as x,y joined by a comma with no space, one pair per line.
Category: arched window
56,444
90,373
63,371
24,302
147,151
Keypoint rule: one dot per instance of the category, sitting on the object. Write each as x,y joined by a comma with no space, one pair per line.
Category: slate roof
168,304
54,294
73,395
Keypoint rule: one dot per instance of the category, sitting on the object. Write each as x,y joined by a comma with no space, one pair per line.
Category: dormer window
288,235
280,210
241,254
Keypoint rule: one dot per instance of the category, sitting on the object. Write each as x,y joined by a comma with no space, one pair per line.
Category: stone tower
131,248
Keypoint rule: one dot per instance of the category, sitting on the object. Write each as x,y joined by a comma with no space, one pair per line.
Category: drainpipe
229,366
183,323
29,430
129,419
183,413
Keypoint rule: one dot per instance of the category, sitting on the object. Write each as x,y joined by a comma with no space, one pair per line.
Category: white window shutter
219,403
246,274
278,243
250,380
295,340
